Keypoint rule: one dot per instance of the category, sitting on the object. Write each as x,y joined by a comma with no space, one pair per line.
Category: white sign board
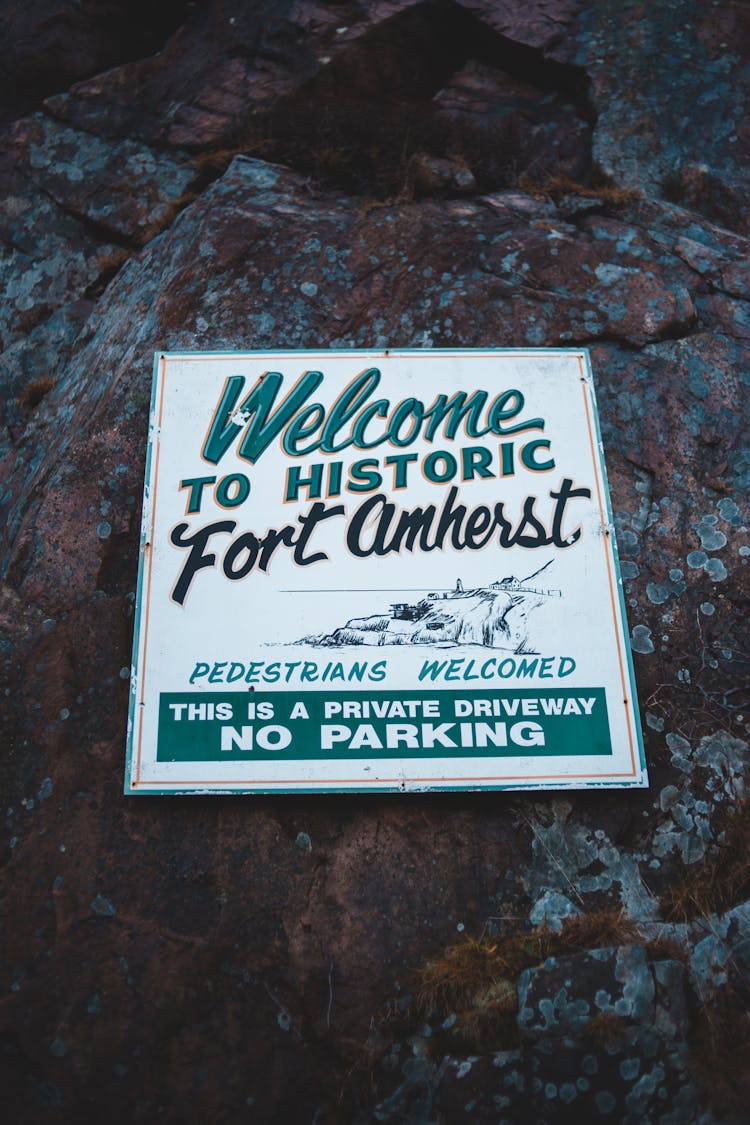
378,571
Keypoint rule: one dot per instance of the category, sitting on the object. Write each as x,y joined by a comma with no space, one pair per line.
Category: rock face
266,175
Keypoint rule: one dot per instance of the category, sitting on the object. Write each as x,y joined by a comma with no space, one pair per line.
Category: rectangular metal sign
378,571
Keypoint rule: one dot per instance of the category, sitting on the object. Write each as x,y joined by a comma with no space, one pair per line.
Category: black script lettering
379,528
318,512
567,492
247,550
196,560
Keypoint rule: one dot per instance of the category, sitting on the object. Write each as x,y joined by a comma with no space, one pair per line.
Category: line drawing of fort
495,615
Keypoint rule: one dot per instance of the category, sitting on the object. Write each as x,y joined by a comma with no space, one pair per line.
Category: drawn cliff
496,616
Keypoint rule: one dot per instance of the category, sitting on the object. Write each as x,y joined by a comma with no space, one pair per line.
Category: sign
378,571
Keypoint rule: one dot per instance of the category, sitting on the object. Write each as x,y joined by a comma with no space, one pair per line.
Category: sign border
134,785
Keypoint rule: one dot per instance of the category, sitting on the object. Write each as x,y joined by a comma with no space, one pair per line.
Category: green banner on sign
289,726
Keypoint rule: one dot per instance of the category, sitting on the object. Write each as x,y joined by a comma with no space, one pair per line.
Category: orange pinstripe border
388,780
613,601
150,545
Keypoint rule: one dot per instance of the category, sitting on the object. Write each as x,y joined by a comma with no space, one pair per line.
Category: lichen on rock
407,174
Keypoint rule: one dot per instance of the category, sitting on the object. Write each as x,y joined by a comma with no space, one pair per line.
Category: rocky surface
224,175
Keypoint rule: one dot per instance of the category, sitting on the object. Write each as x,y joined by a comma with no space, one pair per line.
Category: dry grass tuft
151,230
666,949
464,970
216,161
477,979
489,1021
556,186
598,929
471,967
720,882
721,1051
607,1029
